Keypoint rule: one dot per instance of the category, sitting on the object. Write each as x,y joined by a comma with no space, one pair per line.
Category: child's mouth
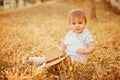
77,29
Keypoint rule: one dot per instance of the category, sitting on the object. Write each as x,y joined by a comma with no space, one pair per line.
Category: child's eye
80,22
73,23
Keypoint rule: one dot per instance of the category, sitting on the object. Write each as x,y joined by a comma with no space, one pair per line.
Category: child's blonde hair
77,13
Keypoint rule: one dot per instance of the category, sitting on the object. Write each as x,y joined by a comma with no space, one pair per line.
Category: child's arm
90,49
62,47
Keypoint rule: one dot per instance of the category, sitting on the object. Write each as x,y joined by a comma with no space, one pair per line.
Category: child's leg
67,60
38,60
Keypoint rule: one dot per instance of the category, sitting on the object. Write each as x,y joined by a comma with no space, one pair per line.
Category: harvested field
30,31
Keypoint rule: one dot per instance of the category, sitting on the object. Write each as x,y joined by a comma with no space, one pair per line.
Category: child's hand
80,51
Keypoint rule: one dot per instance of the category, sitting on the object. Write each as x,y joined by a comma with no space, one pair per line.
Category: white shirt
76,41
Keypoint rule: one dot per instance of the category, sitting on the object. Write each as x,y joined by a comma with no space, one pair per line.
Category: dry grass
19,41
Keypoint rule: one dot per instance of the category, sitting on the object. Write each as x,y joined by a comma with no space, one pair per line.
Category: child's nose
77,25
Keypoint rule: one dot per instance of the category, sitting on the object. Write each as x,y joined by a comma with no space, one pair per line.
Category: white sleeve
89,37
67,36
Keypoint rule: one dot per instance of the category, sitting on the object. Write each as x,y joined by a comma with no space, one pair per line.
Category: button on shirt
76,41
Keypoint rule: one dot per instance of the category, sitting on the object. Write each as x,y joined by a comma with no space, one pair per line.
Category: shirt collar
77,34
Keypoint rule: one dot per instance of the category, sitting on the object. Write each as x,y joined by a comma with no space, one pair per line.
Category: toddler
78,42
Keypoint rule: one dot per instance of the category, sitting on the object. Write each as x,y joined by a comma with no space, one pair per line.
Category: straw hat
54,56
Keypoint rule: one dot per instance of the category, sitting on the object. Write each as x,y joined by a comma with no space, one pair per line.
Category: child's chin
78,32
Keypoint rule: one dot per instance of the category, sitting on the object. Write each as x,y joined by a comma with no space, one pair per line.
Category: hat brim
54,56
53,62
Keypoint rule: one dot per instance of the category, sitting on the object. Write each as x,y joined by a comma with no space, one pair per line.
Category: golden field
30,31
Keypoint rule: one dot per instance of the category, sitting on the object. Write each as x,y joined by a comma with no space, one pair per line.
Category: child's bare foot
67,61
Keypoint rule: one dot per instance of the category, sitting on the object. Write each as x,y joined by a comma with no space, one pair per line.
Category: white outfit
76,41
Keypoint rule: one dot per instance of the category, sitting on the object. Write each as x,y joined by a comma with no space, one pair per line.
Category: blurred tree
1,2
16,3
115,5
93,10
45,0
25,1
31,1
42,0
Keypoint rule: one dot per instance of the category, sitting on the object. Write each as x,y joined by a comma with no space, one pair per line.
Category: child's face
77,24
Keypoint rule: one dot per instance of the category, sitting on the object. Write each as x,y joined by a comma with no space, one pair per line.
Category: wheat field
24,33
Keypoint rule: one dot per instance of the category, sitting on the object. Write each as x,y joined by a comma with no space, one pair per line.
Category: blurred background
30,27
